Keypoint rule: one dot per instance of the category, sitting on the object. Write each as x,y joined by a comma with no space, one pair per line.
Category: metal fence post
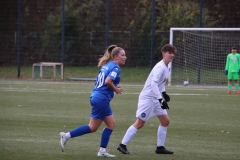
19,36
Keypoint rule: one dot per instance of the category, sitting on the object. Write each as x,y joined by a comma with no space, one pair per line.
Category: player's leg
106,133
130,133
230,77
143,113
132,130
236,77
79,131
162,130
95,121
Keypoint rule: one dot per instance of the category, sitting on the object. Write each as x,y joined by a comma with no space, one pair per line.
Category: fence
50,33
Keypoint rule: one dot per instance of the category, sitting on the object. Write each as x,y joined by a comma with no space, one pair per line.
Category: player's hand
226,72
118,90
166,96
163,104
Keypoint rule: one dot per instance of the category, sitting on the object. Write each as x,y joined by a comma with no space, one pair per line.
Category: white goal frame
52,64
192,29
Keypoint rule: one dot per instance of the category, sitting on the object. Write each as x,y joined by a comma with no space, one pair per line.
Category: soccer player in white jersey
153,102
106,84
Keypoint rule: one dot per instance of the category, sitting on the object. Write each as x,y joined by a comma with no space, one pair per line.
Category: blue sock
105,137
81,130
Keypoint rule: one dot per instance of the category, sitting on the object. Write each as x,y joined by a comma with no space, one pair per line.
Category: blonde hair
109,54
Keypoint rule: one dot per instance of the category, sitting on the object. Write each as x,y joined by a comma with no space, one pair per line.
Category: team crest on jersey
143,114
114,74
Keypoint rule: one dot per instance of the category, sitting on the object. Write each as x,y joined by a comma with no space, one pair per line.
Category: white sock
129,135
102,150
161,135
67,135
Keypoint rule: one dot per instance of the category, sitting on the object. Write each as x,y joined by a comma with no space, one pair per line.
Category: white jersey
148,104
155,83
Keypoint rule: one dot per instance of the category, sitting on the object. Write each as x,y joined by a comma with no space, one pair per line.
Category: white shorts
147,109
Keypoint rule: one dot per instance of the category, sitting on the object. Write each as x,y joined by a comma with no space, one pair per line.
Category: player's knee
93,129
111,125
138,124
165,123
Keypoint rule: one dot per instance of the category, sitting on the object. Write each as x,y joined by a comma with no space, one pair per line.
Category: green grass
204,122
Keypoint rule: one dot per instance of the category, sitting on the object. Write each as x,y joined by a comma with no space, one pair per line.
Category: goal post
47,70
201,54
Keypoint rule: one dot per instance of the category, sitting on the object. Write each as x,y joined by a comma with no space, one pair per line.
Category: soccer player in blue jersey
106,84
152,101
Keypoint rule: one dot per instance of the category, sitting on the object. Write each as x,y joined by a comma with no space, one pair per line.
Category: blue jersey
101,90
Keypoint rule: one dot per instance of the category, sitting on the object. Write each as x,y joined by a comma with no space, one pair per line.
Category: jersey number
100,80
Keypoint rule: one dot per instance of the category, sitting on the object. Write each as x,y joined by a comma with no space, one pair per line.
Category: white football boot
63,140
105,155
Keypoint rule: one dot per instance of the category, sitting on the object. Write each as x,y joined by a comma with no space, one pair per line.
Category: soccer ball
185,83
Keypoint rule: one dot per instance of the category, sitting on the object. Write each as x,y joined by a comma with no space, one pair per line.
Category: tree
227,12
80,18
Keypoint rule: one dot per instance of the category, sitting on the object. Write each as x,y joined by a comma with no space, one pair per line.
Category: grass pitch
204,122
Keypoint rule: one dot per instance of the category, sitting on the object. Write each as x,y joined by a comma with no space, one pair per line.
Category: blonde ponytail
107,56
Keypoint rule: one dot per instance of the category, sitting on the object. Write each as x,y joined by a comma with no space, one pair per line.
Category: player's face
234,50
168,56
120,59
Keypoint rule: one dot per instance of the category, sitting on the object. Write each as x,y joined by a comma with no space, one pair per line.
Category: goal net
201,54
47,70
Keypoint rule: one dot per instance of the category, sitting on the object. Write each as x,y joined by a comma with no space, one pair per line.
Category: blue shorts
100,108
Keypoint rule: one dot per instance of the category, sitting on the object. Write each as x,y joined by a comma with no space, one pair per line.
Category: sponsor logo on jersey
234,59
